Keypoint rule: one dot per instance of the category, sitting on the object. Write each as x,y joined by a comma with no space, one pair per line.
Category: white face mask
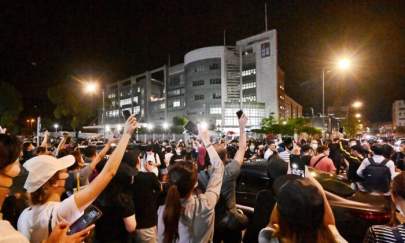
353,144
314,146
178,151
252,148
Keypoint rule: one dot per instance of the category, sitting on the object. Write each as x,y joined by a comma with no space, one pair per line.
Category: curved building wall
203,75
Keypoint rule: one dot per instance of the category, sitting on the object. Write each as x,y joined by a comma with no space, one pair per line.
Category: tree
288,127
72,105
10,106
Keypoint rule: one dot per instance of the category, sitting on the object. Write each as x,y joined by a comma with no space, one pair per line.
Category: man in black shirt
146,189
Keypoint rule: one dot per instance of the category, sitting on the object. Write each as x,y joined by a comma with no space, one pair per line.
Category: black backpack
377,177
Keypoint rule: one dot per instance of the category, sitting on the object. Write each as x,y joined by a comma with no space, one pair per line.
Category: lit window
125,102
163,106
215,110
137,109
176,103
135,99
248,72
249,85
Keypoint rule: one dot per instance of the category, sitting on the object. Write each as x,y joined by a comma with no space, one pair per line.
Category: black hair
10,149
377,149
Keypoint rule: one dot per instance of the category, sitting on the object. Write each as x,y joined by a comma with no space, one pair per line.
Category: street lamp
165,125
343,64
357,115
90,87
56,125
357,104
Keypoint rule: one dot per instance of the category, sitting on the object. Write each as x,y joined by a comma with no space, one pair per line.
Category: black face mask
28,155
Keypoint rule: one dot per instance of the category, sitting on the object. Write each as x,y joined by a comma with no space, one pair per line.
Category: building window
216,96
125,102
174,92
248,72
215,110
199,68
163,106
137,109
215,81
135,99
198,83
249,98
265,49
214,66
198,97
176,103
249,85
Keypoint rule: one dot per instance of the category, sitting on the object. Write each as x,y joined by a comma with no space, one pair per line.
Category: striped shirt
285,155
383,233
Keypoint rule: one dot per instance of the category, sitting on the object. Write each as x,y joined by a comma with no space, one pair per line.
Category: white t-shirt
34,221
9,235
155,161
168,157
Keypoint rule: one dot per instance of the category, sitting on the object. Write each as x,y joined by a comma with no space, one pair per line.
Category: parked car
354,211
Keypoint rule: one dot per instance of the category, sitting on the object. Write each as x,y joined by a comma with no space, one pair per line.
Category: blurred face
402,148
6,179
59,186
273,147
326,152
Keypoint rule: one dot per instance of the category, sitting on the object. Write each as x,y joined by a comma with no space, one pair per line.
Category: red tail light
373,217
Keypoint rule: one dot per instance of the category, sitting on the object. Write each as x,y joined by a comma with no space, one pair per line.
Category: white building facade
398,113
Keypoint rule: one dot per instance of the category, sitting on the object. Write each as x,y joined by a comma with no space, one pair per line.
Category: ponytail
171,214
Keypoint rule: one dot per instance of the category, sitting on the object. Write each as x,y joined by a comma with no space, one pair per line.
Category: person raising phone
46,183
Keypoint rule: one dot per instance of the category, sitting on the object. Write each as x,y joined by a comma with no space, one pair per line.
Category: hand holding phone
126,114
239,114
91,215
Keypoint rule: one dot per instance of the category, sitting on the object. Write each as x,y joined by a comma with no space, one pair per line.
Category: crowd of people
185,191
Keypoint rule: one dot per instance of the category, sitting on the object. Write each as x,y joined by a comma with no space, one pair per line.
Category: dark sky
46,42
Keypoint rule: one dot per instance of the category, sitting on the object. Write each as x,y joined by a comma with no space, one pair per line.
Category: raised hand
130,125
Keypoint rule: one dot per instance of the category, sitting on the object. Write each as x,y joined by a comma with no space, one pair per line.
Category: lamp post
56,126
91,87
342,64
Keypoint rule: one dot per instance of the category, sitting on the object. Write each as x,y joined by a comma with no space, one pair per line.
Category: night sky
43,44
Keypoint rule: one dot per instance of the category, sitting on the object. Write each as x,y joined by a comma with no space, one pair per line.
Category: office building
398,113
211,85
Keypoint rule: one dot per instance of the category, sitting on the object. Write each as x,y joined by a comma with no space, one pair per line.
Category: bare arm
61,143
45,141
101,155
240,154
130,223
90,193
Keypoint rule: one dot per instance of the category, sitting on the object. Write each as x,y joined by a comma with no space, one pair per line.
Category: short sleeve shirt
9,235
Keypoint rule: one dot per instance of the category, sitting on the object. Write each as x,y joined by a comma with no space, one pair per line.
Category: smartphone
191,127
239,113
91,215
126,114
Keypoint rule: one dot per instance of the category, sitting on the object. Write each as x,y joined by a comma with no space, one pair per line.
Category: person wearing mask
314,145
46,183
152,158
145,191
396,231
186,217
229,222
322,161
399,157
10,150
168,156
376,171
179,153
302,213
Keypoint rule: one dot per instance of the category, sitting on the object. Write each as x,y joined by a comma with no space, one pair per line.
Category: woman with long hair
186,217
302,213
46,183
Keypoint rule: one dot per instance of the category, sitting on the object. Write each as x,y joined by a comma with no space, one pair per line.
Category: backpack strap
372,162
384,162
316,163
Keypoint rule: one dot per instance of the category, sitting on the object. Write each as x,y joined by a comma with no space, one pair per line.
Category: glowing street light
357,115
107,128
150,126
56,126
90,87
344,63
119,127
165,125
203,125
357,104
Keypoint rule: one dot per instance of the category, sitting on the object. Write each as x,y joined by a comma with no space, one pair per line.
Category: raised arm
240,154
215,182
90,193
45,141
102,153
61,143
